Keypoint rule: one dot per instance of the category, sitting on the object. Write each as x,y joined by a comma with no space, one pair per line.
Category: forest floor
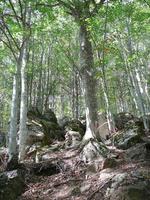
79,181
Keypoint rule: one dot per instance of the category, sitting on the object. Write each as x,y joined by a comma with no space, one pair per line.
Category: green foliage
55,33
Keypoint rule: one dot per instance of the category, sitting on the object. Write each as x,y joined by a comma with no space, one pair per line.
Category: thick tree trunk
89,82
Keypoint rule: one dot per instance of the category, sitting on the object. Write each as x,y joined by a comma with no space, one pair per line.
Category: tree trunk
23,104
89,82
12,136
39,104
76,95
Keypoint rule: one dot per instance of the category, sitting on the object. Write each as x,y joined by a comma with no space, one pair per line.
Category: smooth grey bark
76,95
89,82
12,135
23,103
73,95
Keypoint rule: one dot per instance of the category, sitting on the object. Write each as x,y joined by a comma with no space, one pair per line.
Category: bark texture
89,82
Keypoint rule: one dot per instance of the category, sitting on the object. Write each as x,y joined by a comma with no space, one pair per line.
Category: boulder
121,119
35,132
127,138
133,186
75,125
43,128
138,152
63,121
11,184
33,113
49,116
52,131
72,139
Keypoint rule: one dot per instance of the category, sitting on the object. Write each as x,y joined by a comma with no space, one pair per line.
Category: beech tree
82,11
16,18
96,49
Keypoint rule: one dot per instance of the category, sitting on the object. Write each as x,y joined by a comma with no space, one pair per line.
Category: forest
74,99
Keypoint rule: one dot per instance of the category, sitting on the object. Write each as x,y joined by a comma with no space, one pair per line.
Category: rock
63,121
52,131
127,138
49,116
129,187
102,130
11,184
43,128
109,163
138,152
121,119
35,132
72,139
33,113
75,125
46,168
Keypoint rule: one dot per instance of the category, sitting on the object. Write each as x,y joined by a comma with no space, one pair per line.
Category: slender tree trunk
73,95
76,95
23,104
12,136
39,90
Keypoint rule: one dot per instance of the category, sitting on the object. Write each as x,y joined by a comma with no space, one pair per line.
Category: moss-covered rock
127,138
49,115
52,131
43,127
121,119
75,125
33,113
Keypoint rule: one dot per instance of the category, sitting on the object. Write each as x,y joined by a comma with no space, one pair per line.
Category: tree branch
48,5
21,9
8,44
5,26
16,16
